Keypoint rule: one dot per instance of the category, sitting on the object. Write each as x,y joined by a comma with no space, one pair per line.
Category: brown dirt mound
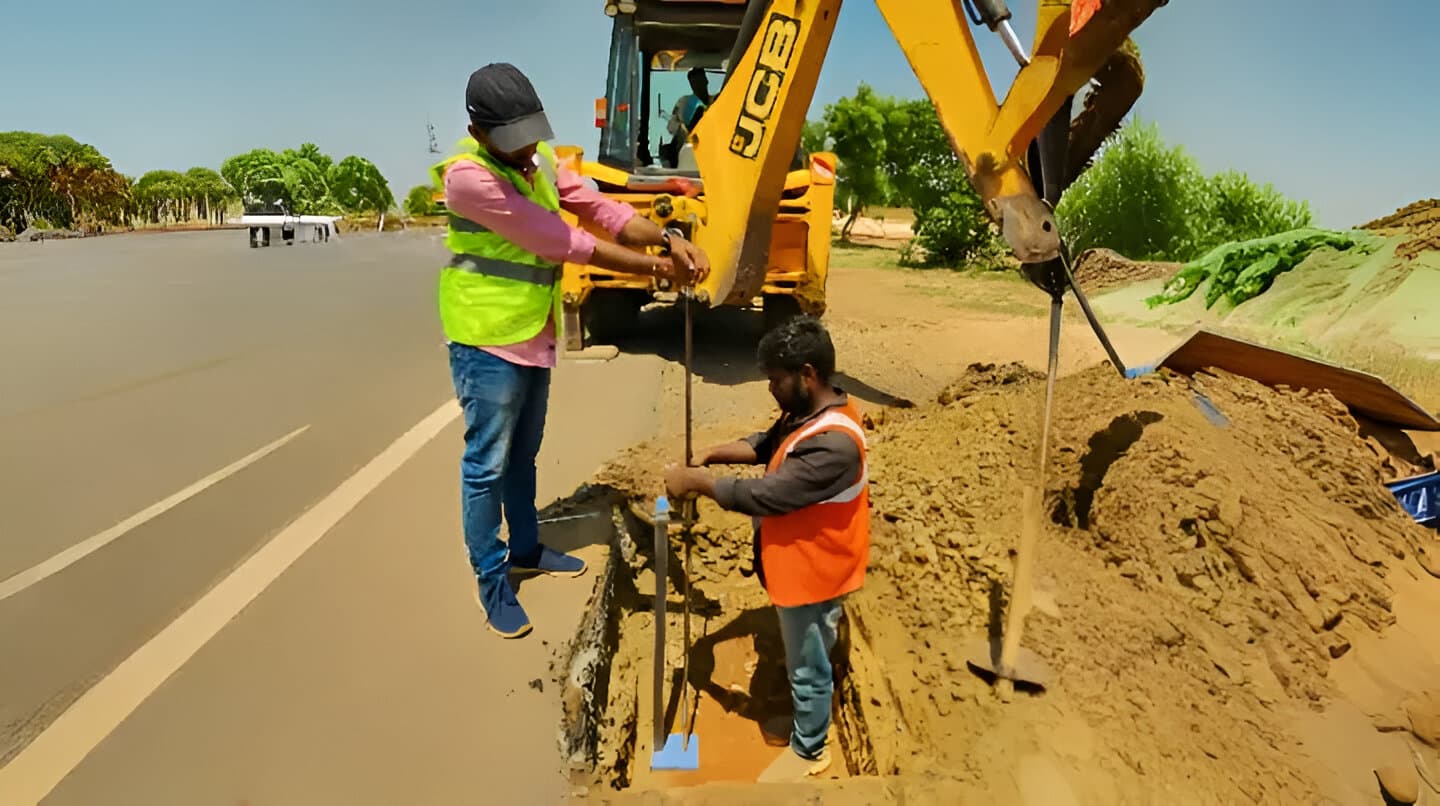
1195,581
1205,575
1420,213
986,377
1104,268
1420,220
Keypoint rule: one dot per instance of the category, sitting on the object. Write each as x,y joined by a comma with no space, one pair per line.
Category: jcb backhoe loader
729,173
732,199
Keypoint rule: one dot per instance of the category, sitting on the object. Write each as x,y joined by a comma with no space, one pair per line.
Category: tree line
54,181
1141,197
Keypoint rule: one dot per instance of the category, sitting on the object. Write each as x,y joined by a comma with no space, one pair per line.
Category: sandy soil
884,227
1216,553
1420,222
1097,269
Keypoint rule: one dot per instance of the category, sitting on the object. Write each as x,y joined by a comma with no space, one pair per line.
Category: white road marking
66,742
75,553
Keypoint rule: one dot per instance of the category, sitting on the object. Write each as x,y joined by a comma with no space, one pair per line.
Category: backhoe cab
667,68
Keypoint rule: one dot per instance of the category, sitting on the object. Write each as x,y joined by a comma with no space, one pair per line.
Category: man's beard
800,402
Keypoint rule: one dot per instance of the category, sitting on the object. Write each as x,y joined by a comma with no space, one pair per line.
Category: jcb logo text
777,45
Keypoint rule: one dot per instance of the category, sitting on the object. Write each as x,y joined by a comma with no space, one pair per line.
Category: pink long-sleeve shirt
472,191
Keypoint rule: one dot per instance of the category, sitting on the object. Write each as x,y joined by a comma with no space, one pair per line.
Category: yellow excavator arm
745,144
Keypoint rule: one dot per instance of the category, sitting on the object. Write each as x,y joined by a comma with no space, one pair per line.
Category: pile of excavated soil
1096,269
1371,311
1373,308
1196,579
1203,575
1419,221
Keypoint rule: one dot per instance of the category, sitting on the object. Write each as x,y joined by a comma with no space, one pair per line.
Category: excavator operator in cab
686,114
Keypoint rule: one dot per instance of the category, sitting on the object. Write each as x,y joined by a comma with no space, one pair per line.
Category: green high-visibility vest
493,292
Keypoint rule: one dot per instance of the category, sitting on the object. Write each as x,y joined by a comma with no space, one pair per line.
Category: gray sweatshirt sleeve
763,442
817,469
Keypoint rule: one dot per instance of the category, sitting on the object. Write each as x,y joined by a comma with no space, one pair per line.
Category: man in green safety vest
499,300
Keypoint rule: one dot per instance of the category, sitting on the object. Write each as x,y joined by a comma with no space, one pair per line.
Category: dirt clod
1097,269
1429,560
986,377
1424,713
1420,220
1399,782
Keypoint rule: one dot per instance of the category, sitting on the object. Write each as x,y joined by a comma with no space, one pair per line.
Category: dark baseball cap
502,102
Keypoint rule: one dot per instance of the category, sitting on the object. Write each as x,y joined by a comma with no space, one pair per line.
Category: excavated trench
738,694
1213,546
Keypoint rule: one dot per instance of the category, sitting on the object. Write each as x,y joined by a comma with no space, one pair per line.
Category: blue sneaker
550,562
506,617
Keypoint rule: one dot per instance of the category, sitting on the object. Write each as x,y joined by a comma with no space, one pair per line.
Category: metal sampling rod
662,550
688,507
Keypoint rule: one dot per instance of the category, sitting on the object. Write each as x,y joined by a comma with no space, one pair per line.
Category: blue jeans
504,407
809,635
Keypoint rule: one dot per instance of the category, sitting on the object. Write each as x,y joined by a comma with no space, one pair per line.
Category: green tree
163,196
1150,201
358,186
54,178
951,226
262,177
209,192
257,178
1142,198
305,186
312,152
857,128
814,138
1242,210
420,201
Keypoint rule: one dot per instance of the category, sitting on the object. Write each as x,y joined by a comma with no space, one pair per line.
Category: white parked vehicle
304,228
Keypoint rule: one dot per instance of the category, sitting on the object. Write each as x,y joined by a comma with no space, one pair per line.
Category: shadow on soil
725,344
766,701
737,657
724,341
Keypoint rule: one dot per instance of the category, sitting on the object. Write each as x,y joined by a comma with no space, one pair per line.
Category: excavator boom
745,144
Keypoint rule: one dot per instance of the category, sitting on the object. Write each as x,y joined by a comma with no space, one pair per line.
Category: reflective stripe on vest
491,267
460,223
819,552
834,418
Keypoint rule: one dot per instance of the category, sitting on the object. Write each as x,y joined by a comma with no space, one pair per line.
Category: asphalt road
230,559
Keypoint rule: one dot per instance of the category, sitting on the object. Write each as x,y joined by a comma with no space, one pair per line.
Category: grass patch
901,214
850,255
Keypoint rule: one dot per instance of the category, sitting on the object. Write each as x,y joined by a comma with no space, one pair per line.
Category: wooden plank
1364,393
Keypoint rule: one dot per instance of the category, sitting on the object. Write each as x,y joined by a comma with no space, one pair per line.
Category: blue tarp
1420,496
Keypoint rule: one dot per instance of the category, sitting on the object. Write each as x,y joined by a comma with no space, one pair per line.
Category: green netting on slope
1243,270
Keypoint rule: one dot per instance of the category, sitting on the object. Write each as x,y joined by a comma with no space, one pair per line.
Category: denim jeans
809,635
504,406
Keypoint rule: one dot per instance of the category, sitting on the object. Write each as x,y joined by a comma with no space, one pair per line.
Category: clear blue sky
1328,102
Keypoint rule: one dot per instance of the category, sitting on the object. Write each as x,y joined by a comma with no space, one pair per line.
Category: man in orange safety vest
812,510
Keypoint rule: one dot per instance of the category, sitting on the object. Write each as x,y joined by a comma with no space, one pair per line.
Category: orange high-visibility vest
819,552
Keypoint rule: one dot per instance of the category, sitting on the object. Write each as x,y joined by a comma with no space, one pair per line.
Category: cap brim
526,131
